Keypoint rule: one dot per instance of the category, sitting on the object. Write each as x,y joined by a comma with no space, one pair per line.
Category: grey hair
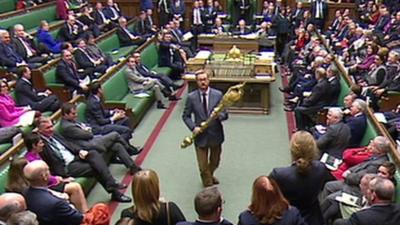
23,218
382,143
337,112
361,105
383,188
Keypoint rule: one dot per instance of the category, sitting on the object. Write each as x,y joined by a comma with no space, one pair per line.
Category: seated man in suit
94,65
217,28
48,207
101,19
242,28
104,121
171,55
71,31
138,83
66,159
380,196
9,56
82,135
27,94
24,45
336,136
126,38
164,79
332,74
311,104
67,73
357,122
112,11
142,27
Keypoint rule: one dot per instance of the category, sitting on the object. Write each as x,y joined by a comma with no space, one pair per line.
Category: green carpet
254,145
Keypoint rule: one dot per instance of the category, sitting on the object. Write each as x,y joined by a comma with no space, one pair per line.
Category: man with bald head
49,208
10,203
379,196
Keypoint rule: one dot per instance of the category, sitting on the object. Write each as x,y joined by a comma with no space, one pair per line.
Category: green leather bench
149,57
4,147
112,46
7,6
116,92
32,19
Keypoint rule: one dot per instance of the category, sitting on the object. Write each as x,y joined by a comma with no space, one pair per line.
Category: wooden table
256,99
224,43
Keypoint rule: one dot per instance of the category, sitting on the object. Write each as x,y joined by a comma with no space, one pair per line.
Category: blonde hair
303,149
146,194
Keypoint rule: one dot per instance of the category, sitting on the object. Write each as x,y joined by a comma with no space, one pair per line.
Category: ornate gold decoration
234,53
233,95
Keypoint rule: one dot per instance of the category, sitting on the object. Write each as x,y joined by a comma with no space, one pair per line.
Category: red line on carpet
148,145
291,122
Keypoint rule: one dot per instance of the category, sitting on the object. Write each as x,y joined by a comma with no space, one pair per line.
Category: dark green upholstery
81,109
51,79
3,179
7,6
116,91
4,147
344,90
111,43
149,57
370,133
32,19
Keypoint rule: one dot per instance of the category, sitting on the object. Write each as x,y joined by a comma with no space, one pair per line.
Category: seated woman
10,114
268,206
34,146
148,208
47,40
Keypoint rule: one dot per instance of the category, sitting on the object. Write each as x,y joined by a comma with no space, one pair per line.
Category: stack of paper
203,54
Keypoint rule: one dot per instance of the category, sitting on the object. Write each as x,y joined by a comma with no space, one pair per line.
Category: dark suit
290,216
19,46
319,22
238,31
243,10
112,13
9,56
125,38
99,119
67,74
164,79
376,214
302,191
68,33
86,61
100,20
143,28
209,140
334,90
49,209
335,140
27,95
170,57
73,131
358,125
297,17
92,165
313,103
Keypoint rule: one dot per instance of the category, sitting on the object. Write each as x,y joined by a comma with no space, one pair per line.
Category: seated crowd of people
41,185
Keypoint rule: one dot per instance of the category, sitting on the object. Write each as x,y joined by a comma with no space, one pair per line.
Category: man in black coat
71,31
332,74
319,13
93,65
26,48
101,19
27,95
66,159
314,102
126,37
147,72
104,121
67,73
9,57
172,56
282,28
112,11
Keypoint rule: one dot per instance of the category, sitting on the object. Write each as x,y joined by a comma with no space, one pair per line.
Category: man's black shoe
174,98
160,105
133,150
134,169
119,197
120,186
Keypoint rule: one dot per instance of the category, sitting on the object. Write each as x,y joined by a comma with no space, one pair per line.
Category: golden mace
233,95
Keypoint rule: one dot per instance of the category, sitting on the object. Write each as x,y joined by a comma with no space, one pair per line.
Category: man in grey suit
201,103
81,134
336,137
